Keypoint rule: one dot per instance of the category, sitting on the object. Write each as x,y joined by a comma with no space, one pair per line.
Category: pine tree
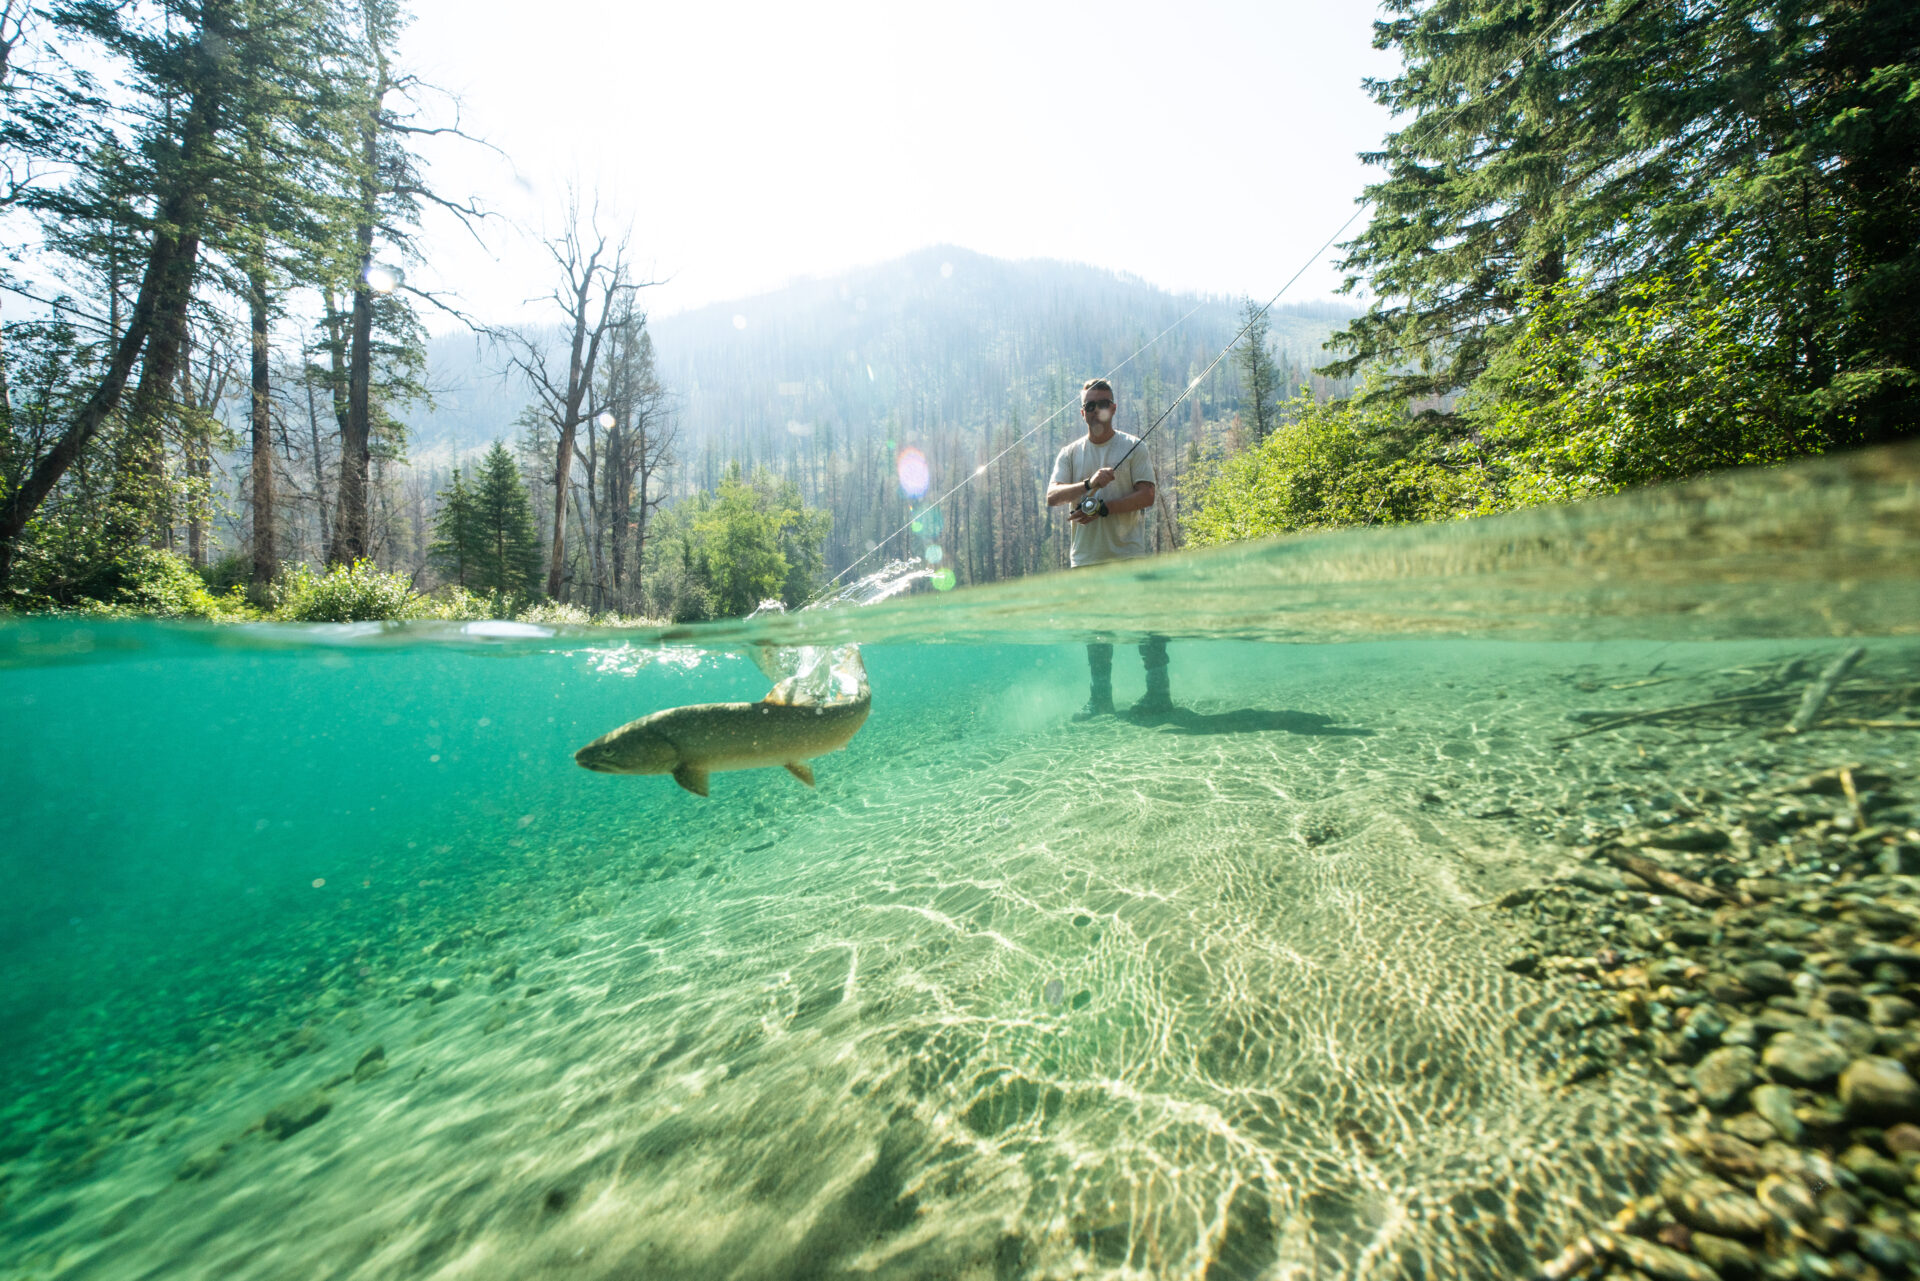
197,79
455,539
1259,381
1596,148
506,550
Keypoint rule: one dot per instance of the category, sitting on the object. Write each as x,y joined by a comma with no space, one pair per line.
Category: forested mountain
951,352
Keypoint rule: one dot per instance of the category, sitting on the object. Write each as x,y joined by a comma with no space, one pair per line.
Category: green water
1005,996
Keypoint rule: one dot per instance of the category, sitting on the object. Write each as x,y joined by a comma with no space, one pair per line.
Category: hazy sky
1203,146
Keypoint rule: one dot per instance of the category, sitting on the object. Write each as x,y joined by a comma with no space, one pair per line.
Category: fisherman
1109,484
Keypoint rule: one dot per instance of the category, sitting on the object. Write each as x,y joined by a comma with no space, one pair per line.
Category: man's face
1096,407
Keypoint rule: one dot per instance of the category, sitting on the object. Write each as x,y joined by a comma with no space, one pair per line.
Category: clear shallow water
1005,996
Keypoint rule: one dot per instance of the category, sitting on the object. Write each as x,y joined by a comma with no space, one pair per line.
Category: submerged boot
1157,703
1100,672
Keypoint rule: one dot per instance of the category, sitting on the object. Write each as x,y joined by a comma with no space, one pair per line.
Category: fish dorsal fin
801,771
693,778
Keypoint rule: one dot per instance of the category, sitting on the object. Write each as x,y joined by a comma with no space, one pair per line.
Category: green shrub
1671,379
235,569
356,593
137,580
457,604
1329,464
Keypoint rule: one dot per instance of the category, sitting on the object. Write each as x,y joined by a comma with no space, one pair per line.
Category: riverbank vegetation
1614,245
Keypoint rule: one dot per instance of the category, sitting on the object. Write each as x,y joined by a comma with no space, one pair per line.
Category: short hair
1095,384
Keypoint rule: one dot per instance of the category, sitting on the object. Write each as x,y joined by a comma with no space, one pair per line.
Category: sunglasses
1096,404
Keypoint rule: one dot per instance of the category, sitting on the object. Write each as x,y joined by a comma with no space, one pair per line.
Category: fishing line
981,470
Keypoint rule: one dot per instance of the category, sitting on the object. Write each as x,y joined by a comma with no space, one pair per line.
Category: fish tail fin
801,771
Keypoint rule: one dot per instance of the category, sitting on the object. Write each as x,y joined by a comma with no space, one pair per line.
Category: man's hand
1079,517
1102,478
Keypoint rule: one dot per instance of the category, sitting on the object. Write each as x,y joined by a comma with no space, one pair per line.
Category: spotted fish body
692,742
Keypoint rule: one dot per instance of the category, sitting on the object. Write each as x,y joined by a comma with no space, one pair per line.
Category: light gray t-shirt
1123,535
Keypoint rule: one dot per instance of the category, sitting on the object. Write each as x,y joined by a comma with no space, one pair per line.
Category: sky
1208,146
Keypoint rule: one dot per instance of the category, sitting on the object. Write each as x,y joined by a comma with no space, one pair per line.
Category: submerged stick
1816,695
1853,799
1614,718
1654,874
1631,718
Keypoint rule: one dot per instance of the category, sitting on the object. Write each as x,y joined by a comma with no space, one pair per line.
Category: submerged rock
1730,1259
1805,1058
1775,1104
1657,1261
296,1114
1878,1089
1873,1169
1709,1205
1723,1075
1786,1199
1765,978
370,1064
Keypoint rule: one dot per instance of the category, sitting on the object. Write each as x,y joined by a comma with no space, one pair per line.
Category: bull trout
691,742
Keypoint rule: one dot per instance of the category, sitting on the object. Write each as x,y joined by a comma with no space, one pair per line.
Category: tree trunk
265,558
352,535
168,258
352,532
562,473
196,453
153,394
319,475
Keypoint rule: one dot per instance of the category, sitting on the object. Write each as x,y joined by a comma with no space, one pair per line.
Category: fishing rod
1090,505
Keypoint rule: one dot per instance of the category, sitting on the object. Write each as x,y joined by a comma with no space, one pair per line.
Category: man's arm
1072,491
1142,496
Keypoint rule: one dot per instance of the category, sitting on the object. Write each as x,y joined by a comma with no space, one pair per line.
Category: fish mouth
597,765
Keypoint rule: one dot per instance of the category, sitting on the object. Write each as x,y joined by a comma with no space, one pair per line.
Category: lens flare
934,554
739,322
911,466
382,279
605,420
942,580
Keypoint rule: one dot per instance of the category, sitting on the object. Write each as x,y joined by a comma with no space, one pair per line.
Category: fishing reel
1092,505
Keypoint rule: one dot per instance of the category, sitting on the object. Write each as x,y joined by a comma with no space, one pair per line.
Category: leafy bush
235,569
1329,464
76,576
554,612
360,592
1669,380
458,604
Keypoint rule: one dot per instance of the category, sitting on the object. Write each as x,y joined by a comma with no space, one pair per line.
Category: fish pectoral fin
693,778
801,771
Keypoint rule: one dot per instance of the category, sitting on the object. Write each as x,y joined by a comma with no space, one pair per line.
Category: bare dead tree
596,289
